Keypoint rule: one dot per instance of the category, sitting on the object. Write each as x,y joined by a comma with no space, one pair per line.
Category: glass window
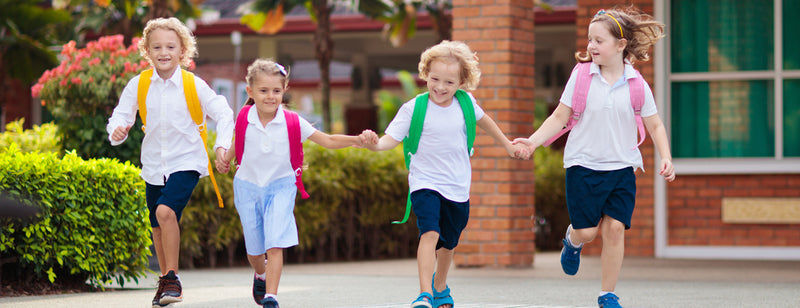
724,74
791,41
791,118
726,119
722,36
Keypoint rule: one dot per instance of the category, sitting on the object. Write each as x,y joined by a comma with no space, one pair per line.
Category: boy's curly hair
188,42
638,28
470,74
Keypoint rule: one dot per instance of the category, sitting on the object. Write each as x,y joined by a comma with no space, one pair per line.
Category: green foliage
206,228
389,103
552,217
40,138
355,193
82,92
93,222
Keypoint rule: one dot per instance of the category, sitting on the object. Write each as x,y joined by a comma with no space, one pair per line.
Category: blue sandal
424,300
441,298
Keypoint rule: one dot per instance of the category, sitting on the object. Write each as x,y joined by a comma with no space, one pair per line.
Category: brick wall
694,210
640,239
500,229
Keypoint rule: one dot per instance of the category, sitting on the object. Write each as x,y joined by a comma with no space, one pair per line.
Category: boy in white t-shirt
440,172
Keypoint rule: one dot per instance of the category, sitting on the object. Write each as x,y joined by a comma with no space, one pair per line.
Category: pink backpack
295,145
582,83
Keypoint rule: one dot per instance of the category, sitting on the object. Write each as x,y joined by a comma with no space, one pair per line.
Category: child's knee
584,235
164,213
613,230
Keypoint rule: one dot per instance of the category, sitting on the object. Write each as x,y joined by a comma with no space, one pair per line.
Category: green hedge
355,194
93,224
41,138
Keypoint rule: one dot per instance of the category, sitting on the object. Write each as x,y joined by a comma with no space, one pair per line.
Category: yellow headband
618,25
603,12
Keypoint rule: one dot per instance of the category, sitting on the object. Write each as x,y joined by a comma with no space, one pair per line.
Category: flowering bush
83,90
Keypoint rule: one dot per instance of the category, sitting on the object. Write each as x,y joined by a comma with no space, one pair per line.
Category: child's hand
120,133
524,148
367,138
667,170
222,165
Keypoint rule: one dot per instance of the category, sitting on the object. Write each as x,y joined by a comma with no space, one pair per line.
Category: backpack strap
141,94
411,142
469,118
199,118
582,82
195,110
239,130
295,150
636,86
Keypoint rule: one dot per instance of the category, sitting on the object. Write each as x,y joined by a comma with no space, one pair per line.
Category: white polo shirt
266,150
442,162
605,137
172,141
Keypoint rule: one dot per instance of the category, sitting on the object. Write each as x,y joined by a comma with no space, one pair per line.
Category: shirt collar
252,115
176,78
628,70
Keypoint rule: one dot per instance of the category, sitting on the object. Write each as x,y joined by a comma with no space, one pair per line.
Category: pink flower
113,78
76,80
37,89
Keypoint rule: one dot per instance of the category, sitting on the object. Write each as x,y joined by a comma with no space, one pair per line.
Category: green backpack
411,142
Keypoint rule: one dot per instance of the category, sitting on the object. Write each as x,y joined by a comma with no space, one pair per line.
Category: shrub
93,221
550,197
82,92
355,194
40,138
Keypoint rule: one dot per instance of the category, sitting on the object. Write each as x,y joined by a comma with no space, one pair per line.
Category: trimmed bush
93,222
41,138
355,194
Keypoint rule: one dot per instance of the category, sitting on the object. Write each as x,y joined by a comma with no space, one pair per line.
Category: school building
726,78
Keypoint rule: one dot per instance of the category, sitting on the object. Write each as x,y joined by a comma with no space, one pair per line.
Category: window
734,78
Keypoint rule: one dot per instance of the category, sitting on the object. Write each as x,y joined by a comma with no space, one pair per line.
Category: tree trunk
159,8
4,87
323,49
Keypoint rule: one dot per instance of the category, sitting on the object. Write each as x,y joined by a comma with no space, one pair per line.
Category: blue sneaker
608,301
570,258
269,302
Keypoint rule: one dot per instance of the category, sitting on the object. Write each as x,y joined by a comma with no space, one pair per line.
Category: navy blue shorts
174,193
592,194
435,213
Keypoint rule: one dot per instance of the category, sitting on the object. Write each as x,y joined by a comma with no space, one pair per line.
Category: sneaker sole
169,300
163,305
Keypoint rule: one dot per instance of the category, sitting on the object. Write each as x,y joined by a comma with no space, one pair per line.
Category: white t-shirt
605,137
441,162
266,150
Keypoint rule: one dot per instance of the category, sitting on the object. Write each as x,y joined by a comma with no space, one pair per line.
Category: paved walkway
644,282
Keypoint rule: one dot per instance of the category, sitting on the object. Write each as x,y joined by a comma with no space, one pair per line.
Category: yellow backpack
192,102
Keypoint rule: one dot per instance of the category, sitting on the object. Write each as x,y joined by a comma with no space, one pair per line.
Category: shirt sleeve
125,112
216,107
306,129
479,113
649,108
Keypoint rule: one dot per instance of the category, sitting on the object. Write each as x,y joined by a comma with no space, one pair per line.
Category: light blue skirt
267,214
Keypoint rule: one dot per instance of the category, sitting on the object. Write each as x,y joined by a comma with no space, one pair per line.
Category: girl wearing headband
602,153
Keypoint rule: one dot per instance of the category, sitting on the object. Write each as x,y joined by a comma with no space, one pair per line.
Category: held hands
223,165
120,133
367,138
524,148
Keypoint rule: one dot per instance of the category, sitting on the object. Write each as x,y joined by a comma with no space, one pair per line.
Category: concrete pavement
644,282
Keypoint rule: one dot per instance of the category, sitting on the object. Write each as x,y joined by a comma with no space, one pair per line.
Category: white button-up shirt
172,140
